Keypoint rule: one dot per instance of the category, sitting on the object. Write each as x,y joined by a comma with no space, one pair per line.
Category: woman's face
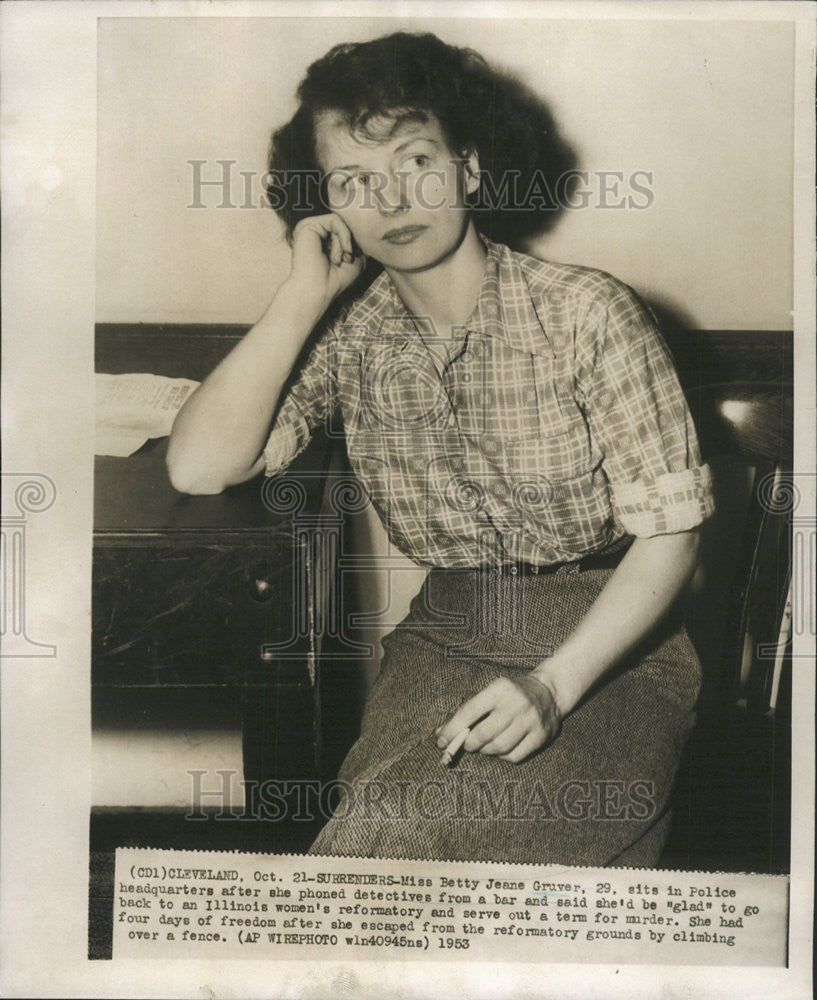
403,197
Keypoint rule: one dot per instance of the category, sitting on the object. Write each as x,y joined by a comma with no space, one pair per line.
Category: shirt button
466,377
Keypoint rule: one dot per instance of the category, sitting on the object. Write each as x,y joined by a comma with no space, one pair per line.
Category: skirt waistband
608,559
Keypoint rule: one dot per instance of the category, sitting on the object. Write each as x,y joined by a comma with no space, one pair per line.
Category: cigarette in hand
455,744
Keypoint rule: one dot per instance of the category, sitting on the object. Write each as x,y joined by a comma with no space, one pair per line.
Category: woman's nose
392,196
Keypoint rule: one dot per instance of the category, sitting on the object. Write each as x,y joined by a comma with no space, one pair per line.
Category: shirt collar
504,309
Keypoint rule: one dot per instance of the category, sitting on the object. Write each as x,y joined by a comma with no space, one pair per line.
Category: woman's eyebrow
415,138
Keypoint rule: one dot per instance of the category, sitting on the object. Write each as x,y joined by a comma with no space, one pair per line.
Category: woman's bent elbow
194,481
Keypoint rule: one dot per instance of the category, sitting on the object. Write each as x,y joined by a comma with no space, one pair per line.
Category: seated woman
520,430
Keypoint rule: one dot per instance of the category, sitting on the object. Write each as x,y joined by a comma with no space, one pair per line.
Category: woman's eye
420,160
364,179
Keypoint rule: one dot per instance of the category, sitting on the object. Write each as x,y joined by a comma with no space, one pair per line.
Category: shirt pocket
522,439
551,453
495,394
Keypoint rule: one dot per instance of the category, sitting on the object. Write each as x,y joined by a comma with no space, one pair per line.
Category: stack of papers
134,407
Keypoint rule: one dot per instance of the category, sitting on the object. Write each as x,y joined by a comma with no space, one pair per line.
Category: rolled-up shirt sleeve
639,419
307,401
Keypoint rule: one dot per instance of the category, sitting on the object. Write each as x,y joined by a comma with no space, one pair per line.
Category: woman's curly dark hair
407,75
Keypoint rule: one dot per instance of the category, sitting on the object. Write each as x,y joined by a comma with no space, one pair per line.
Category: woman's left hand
518,715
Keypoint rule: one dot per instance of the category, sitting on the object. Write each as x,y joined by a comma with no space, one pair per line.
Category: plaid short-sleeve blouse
548,427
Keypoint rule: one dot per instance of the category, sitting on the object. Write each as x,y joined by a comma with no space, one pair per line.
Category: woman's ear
471,171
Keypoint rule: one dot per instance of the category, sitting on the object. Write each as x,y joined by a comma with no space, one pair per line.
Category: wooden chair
731,803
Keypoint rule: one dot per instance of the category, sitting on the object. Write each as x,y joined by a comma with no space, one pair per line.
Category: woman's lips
404,235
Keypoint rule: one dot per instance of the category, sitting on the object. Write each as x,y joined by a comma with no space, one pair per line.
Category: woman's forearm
641,590
219,433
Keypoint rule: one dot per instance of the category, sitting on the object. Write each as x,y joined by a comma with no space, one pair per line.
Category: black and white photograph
408,519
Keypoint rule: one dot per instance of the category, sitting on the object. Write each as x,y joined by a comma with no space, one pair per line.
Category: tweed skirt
597,795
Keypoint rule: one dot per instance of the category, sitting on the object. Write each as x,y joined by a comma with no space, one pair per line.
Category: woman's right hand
324,261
